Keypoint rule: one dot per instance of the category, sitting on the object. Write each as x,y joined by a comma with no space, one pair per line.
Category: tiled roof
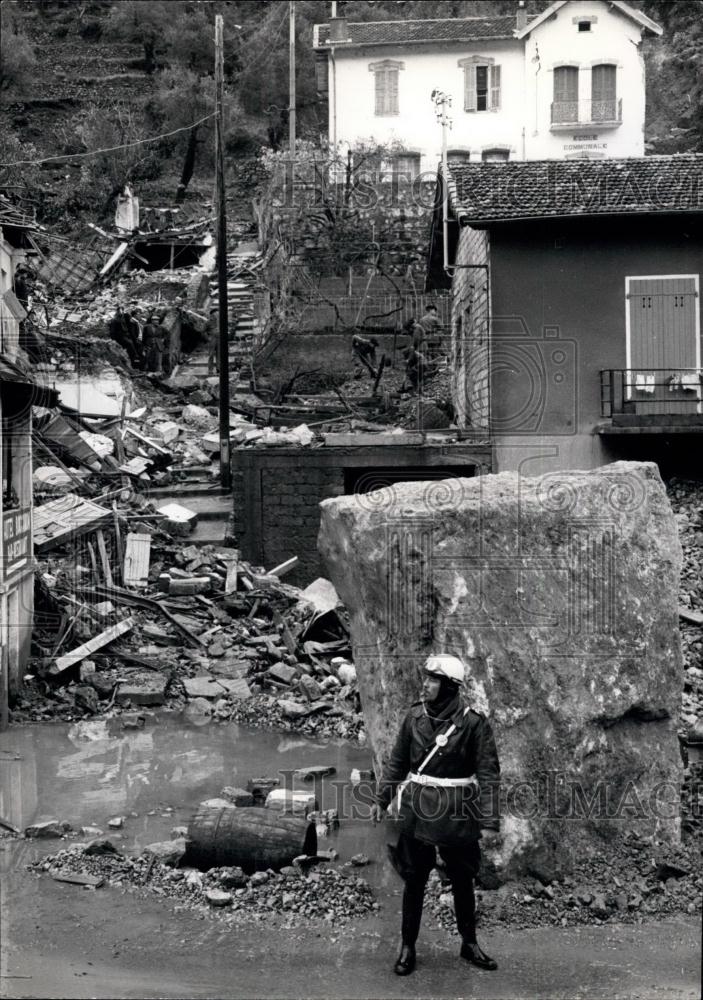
541,189
465,29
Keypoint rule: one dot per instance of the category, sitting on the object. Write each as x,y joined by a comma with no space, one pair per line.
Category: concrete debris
168,852
45,829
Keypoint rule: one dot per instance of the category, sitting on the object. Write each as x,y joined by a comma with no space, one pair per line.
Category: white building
567,84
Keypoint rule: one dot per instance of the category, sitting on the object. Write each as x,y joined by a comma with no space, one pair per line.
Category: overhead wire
110,149
155,138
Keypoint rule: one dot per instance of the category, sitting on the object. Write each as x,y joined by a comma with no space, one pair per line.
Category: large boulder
559,592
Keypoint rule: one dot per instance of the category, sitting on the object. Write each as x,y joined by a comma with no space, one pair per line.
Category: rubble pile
293,896
687,501
629,882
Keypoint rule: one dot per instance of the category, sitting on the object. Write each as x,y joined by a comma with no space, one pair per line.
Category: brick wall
277,492
470,328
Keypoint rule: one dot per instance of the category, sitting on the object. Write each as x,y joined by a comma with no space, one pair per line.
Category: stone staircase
242,266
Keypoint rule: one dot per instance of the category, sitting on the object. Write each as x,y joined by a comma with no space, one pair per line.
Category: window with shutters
406,167
603,93
565,107
386,74
481,84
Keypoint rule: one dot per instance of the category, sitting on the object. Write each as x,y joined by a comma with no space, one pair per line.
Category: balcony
653,400
570,115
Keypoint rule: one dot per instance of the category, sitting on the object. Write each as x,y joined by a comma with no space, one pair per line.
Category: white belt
428,779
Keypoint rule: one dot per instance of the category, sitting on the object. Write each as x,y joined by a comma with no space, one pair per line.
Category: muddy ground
61,940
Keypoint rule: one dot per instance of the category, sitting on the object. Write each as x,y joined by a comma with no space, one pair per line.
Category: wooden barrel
252,838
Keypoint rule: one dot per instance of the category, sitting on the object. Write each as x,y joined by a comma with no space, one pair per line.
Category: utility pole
291,80
442,103
225,457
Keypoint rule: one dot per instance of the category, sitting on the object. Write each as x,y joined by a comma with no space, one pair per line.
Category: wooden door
663,349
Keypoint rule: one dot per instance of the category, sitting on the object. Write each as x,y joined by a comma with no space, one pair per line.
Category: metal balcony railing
586,112
644,391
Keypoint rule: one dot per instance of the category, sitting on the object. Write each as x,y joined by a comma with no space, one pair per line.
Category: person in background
364,353
131,319
444,775
119,331
152,344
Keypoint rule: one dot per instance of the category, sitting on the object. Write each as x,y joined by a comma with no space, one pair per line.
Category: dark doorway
364,480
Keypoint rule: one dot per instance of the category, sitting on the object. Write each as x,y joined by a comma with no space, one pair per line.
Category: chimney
338,30
521,15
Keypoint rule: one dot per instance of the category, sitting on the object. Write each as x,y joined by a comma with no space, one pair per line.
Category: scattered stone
85,698
44,829
99,847
116,823
237,796
282,672
291,801
143,689
90,831
316,771
359,860
218,897
178,832
665,871
598,906
292,709
168,852
232,878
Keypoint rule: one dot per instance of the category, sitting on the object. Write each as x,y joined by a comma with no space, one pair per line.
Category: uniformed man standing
444,774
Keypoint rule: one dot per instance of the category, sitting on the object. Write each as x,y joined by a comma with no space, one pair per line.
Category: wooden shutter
381,81
495,88
566,83
386,90
663,340
392,91
470,87
603,82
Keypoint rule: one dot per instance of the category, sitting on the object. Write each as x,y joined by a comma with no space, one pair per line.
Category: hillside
99,74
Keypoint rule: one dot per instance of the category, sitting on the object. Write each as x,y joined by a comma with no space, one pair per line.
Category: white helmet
444,665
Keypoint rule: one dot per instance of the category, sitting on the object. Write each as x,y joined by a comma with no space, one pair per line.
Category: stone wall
277,491
470,330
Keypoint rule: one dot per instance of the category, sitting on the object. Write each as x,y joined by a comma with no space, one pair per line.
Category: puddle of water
93,770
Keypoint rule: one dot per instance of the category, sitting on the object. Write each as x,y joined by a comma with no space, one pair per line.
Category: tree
17,58
146,23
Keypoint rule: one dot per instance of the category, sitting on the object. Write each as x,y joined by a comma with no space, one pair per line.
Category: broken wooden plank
136,560
122,596
78,878
118,537
284,567
231,579
147,440
691,616
65,518
102,550
91,646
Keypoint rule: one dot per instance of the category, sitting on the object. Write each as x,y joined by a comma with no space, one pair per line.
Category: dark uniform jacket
450,816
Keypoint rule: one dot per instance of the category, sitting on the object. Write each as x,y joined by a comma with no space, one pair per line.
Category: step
208,507
202,488
207,533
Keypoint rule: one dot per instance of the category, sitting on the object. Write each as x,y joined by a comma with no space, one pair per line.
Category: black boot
406,961
472,953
